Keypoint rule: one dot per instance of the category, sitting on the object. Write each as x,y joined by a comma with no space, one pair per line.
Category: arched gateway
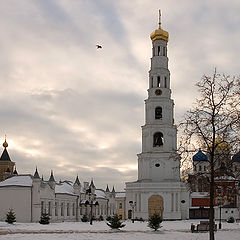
155,205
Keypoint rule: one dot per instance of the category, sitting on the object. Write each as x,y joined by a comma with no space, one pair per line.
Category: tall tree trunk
211,215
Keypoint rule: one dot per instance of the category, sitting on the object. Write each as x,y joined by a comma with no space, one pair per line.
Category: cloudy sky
72,108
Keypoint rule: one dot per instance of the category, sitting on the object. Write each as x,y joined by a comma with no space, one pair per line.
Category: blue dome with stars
200,156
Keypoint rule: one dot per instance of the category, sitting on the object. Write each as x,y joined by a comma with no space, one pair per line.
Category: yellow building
120,204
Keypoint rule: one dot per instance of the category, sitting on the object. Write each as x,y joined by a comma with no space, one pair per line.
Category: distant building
226,189
29,196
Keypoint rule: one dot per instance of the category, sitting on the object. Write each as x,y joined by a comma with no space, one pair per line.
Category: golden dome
220,144
5,144
159,34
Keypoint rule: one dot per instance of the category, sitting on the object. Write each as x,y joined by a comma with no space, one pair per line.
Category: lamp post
133,205
91,203
220,201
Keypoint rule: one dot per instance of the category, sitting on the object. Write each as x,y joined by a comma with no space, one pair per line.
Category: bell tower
158,188
158,160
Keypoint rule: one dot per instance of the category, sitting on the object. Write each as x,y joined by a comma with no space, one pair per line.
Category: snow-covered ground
170,230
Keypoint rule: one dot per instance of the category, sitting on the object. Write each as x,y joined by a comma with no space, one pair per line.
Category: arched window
151,82
157,139
200,185
164,51
158,81
165,81
158,113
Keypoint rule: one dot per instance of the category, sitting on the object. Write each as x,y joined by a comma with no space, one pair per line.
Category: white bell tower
158,160
158,188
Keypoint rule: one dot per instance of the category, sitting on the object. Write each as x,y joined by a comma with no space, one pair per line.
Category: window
204,167
157,139
164,51
165,81
158,81
81,210
158,113
49,209
159,50
229,190
42,204
68,209
219,190
200,185
56,209
62,209
153,51
73,209
151,82
200,168
120,205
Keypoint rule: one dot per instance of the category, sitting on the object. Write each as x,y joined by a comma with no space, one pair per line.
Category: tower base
169,199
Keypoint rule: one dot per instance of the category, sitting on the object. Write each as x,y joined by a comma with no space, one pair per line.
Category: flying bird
98,46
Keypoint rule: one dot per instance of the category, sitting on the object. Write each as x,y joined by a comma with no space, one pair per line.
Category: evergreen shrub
10,216
154,221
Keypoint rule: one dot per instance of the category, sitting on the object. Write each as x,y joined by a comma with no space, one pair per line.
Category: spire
107,189
15,171
159,21
5,155
159,34
113,190
51,179
77,181
92,184
5,144
36,175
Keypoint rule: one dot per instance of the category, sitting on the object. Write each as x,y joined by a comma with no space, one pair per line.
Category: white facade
29,196
158,163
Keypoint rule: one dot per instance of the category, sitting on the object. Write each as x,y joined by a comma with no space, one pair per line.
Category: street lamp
220,202
91,203
133,205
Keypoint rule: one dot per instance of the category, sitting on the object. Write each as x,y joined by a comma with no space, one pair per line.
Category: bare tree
216,114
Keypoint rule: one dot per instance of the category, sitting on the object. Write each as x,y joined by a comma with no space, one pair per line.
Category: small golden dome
5,144
221,145
159,34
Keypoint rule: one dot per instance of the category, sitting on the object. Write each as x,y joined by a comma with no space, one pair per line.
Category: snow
100,193
20,180
199,194
171,230
65,188
230,178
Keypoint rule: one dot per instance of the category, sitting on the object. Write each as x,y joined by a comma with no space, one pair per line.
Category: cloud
72,108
